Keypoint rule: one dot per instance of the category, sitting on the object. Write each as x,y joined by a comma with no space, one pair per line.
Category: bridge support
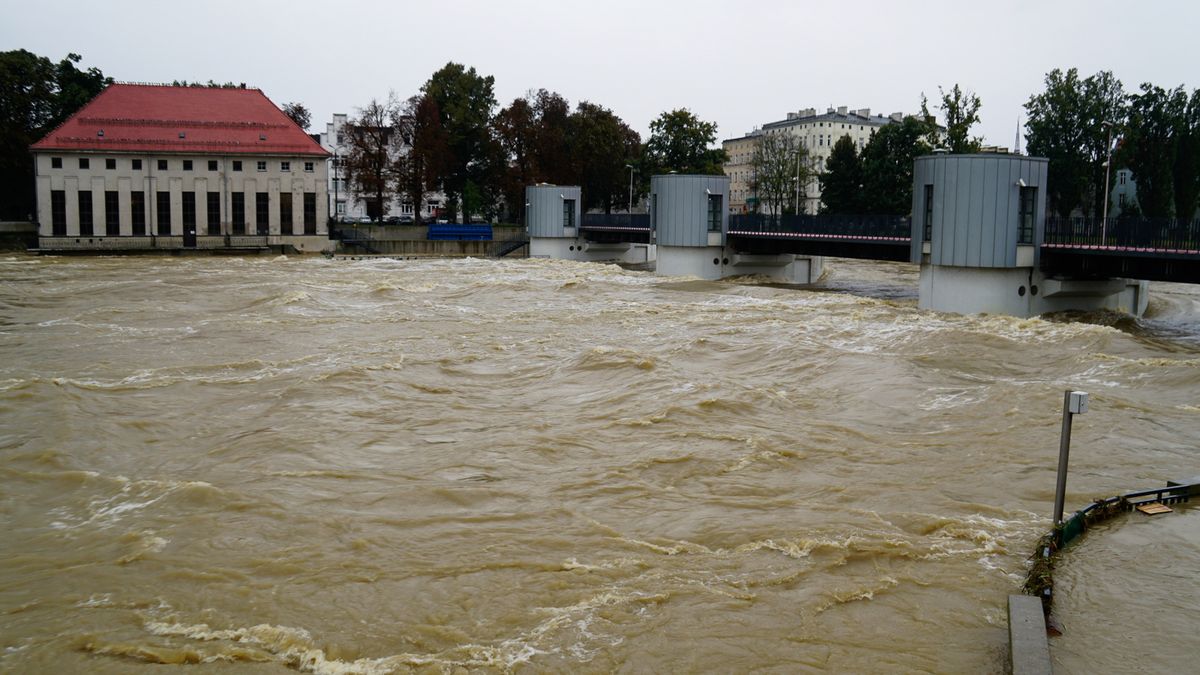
690,217
719,262
977,229
1023,292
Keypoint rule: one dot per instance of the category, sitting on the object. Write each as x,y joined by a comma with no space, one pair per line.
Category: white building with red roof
163,167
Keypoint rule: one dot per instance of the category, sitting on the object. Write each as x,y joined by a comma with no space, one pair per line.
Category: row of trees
1155,133
450,137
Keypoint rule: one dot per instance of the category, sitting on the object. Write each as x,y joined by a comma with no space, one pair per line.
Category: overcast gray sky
738,64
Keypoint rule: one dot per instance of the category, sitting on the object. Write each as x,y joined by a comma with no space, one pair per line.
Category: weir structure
558,229
978,229
690,218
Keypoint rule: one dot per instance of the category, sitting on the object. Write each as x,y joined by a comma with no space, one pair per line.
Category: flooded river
255,465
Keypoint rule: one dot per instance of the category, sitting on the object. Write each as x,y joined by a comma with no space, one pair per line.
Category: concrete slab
1027,636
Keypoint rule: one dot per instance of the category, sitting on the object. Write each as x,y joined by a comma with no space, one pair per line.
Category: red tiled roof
161,119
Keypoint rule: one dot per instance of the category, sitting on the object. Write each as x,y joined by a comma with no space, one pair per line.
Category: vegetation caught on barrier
1039,581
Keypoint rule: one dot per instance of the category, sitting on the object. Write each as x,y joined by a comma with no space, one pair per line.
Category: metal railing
1165,235
636,221
825,225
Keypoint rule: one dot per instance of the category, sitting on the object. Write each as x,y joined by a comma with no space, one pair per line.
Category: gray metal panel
945,248
1041,170
993,234
921,177
682,218
974,213
544,209
962,211
976,207
1013,225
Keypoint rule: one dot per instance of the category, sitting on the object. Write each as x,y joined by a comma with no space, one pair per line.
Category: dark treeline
1080,125
454,137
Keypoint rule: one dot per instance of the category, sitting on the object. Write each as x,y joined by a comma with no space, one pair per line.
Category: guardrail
1039,581
869,227
1166,235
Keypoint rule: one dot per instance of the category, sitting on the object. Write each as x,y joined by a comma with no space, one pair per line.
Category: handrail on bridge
865,226
1168,235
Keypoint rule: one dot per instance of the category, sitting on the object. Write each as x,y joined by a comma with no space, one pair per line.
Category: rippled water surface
376,466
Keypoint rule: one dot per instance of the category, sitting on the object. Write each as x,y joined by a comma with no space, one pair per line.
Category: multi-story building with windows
346,203
817,132
165,167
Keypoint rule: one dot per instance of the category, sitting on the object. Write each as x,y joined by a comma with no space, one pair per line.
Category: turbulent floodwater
375,466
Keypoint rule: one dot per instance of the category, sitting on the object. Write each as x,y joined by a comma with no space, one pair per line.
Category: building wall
679,209
817,133
345,203
305,174
544,211
975,208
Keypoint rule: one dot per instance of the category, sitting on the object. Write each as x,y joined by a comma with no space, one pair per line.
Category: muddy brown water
254,465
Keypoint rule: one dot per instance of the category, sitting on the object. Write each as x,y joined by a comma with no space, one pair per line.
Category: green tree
960,108
602,146
842,182
425,148
465,102
1187,160
552,157
298,114
36,95
1150,146
779,165
1054,129
368,164
887,162
681,142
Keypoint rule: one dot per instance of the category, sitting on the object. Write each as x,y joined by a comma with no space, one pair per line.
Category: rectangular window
162,165
928,213
262,166
212,165
262,210
84,163
285,166
568,213
187,165
58,213
112,213
214,213
110,164
189,212
237,165
1027,212
163,201
85,213
56,163
716,204
308,167
137,213
285,212
310,213
237,215
137,164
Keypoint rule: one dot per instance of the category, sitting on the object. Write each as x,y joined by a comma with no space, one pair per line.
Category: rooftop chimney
842,109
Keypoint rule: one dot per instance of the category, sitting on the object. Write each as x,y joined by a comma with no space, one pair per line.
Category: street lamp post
1107,196
798,153
336,180
630,167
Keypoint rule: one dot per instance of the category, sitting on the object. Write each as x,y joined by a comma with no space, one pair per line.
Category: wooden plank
1153,508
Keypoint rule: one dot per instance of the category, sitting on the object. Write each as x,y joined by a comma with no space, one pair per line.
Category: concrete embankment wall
411,240
17,236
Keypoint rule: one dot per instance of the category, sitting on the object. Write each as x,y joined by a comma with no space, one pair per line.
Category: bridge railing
640,221
826,225
1173,235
